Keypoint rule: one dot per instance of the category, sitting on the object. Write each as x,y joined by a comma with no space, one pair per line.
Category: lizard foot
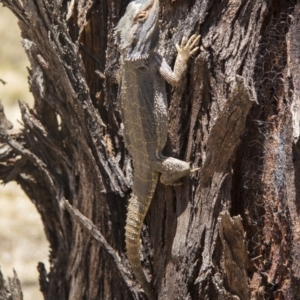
187,47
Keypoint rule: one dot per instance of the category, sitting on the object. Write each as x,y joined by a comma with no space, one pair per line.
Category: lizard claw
183,42
194,39
193,170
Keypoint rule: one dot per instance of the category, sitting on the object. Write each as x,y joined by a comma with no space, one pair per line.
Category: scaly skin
145,115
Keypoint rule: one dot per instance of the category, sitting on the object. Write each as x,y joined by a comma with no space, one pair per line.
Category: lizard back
144,110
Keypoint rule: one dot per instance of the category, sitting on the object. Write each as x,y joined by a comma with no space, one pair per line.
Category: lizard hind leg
172,169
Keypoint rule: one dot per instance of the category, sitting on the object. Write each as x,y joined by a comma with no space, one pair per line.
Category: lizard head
137,32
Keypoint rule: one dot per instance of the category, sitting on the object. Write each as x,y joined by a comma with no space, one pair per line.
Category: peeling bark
232,236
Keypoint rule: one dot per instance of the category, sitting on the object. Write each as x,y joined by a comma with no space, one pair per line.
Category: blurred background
22,239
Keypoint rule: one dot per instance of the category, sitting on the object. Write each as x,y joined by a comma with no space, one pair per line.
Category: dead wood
231,230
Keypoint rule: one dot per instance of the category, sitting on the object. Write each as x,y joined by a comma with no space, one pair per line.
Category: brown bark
235,115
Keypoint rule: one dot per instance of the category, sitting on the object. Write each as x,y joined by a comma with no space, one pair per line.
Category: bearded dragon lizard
144,112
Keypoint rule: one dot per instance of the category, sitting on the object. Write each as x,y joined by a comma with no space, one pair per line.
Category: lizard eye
141,17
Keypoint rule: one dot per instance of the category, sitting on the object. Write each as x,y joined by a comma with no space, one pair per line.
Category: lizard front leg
185,51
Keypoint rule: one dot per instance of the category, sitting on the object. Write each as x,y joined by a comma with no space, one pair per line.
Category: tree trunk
230,231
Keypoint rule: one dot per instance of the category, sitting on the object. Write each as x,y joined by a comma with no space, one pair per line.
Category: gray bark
231,230
11,290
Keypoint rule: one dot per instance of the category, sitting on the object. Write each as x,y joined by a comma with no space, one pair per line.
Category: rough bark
235,115
12,290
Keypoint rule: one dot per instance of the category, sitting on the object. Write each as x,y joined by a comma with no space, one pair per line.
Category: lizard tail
137,210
